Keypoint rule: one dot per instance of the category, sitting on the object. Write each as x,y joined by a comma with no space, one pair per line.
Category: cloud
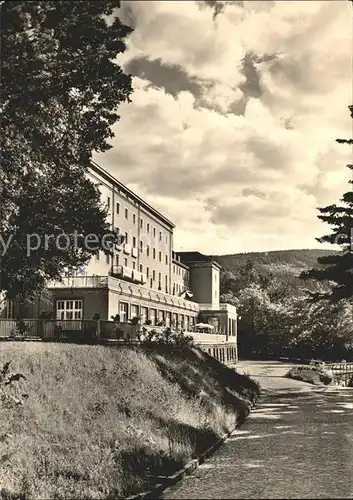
232,126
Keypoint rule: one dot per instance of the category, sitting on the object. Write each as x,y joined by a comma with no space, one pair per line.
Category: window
141,246
144,314
175,319
166,239
126,238
118,208
117,260
134,265
134,311
148,227
108,201
134,218
153,316
124,311
134,241
166,260
141,223
147,272
154,253
69,309
107,258
148,250
126,213
141,268
154,275
154,232
160,256
97,255
174,268
125,262
160,236
159,277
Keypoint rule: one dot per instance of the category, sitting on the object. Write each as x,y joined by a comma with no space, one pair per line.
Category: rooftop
100,170
190,258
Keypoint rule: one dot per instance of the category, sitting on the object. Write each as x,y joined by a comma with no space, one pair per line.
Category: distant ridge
300,259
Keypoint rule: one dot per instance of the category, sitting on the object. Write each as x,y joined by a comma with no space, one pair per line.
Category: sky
234,115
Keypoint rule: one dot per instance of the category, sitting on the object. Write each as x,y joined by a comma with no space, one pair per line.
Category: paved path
297,443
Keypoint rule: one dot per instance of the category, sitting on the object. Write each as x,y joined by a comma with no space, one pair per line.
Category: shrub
165,336
311,374
9,395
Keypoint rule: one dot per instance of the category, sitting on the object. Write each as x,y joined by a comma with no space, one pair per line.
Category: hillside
297,259
286,266
100,422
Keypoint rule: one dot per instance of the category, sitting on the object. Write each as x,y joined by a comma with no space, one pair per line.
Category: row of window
146,248
147,225
180,271
73,309
160,255
155,316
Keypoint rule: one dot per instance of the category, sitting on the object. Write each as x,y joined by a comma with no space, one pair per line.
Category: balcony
219,307
81,282
122,272
127,248
134,252
128,273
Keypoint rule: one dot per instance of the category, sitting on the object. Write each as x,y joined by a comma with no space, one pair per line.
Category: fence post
98,330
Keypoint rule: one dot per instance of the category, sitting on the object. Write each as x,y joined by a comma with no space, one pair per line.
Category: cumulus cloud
235,112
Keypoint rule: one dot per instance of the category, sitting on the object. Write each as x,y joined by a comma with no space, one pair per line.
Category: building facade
142,276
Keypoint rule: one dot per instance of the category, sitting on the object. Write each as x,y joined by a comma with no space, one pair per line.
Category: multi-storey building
143,276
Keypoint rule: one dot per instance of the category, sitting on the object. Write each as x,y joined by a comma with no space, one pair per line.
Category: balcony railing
81,282
219,307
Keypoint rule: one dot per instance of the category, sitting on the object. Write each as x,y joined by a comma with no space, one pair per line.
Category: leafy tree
322,330
61,90
338,267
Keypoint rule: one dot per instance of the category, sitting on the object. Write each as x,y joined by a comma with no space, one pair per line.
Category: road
297,443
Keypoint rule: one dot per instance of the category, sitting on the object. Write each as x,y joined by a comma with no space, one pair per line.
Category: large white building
143,276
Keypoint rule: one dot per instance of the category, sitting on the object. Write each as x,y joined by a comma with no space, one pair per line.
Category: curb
190,467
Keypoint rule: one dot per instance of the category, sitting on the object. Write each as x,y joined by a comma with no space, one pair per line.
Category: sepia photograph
176,249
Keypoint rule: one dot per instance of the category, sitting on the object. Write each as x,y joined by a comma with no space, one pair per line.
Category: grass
311,374
101,423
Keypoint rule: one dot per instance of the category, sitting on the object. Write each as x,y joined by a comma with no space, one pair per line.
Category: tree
338,267
61,90
322,330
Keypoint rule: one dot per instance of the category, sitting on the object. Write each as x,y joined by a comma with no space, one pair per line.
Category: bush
311,374
165,336
10,396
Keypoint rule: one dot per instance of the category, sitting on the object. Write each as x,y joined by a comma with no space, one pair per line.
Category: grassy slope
98,420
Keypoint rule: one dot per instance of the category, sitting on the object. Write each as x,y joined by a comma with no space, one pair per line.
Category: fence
65,330
342,372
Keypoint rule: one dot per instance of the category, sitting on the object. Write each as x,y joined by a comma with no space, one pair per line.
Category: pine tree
338,268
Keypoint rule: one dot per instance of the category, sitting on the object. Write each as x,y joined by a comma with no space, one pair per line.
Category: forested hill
297,259
282,268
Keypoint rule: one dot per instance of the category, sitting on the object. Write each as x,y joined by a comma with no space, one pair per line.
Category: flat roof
190,258
100,170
